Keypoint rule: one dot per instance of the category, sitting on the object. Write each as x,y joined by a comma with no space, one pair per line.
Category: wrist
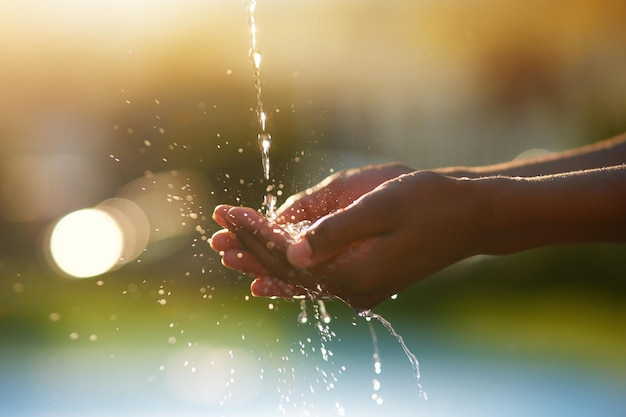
523,213
502,215
576,207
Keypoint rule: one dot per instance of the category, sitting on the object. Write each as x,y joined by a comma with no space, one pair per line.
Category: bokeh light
39,186
133,224
215,376
86,243
171,202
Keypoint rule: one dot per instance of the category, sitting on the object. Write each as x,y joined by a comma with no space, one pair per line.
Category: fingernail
299,254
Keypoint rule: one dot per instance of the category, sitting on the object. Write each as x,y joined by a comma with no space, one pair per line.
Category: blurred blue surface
115,380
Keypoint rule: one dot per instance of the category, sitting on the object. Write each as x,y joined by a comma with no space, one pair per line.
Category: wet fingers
241,260
224,240
274,287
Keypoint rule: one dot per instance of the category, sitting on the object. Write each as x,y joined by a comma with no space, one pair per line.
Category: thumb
331,234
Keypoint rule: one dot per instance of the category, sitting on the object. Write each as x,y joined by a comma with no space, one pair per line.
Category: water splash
320,312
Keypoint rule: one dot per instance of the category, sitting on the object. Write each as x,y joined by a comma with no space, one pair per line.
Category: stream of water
264,138
369,315
269,206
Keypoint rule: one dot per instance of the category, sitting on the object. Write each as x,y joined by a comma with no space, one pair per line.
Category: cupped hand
381,243
403,231
334,193
253,245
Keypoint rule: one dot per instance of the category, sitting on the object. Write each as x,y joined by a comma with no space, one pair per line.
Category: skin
380,229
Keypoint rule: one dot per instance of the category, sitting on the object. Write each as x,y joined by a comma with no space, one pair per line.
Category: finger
250,221
273,260
268,242
330,235
273,287
245,217
223,240
219,214
241,260
265,240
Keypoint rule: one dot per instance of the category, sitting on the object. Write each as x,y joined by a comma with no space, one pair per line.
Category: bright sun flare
86,243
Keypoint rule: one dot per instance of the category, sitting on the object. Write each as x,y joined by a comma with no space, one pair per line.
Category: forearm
607,153
577,207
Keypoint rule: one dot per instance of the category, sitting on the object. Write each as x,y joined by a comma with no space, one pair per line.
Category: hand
400,233
380,229
244,245
383,242
334,193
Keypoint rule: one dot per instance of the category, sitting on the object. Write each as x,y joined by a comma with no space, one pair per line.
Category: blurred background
123,123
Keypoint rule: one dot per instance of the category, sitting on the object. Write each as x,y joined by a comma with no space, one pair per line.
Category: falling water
321,314
377,365
269,205
303,317
264,138
369,315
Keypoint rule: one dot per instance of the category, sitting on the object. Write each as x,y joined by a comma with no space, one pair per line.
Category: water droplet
378,367
322,311
302,316
265,142
340,410
269,204
376,384
256,57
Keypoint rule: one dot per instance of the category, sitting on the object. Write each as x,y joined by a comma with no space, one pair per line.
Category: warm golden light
86,243
133,224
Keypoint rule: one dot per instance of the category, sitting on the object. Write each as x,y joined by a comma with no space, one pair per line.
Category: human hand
380,229
244,245
383,242
394,236
334,193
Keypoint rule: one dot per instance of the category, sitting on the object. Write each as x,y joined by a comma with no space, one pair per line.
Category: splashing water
369,315
320,312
